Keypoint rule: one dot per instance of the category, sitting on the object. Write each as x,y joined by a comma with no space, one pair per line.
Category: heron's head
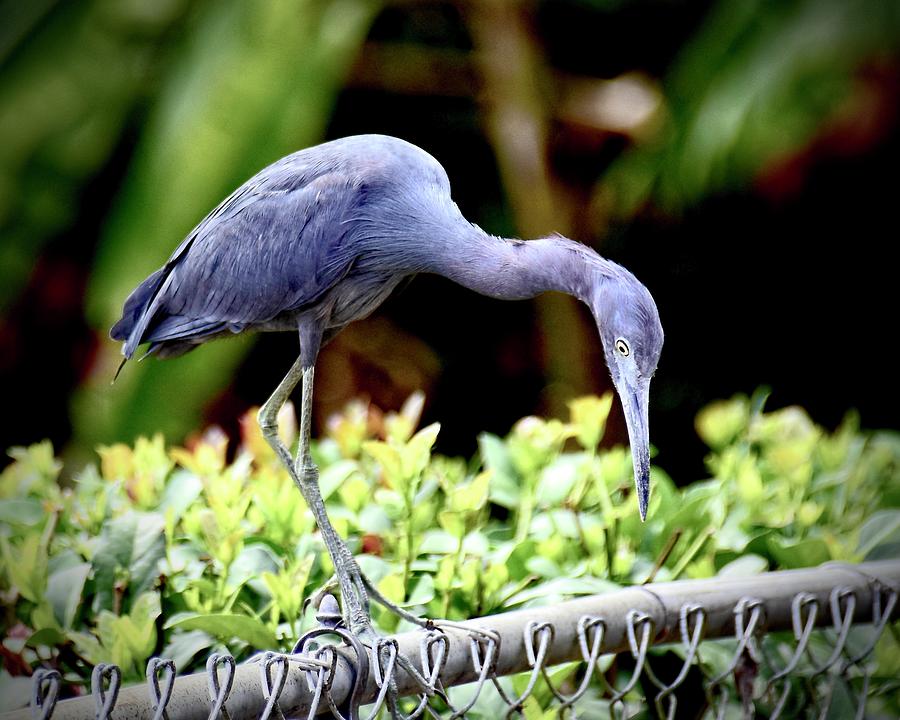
632,338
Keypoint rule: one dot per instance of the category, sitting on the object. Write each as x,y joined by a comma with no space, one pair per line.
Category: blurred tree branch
516,113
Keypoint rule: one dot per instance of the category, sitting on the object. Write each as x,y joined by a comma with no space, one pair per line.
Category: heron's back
296,238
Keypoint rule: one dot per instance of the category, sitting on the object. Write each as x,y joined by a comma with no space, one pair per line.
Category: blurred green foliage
253,82
758,80
177,551
72,73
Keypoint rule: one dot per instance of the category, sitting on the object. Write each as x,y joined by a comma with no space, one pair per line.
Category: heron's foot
354,598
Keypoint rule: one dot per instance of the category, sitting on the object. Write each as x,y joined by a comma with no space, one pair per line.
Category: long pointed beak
635,402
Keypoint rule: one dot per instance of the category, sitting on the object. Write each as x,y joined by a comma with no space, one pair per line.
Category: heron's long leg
303,471
306,476
305,467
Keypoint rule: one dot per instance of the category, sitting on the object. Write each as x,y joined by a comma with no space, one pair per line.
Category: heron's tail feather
131,326
119,370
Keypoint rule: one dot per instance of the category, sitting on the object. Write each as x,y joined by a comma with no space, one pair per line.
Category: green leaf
228,626
88,646
719,423
560,588
26,565
543,566
504,483
588,418
744,566
541,695
373,519
391,586
134,542
46,637
808,552
439,542
64,589
138,628
389,458
417,452
472,496
34,471
22,512
250,564
42,616
182,647
422,592
518,558
182,490
880,529
399,426
557,480
332,477
452,523
374,567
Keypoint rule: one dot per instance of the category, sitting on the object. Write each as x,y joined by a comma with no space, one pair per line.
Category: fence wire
783,644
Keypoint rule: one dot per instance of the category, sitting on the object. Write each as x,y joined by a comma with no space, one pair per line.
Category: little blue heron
320,238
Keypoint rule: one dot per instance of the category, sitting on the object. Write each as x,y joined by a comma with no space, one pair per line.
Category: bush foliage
179,551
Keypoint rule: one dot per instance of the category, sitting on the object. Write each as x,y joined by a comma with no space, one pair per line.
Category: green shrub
178,551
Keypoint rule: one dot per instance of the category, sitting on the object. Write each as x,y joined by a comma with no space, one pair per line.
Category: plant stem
664,555
692,551
582,538
457,558
607,541
525,512
407,561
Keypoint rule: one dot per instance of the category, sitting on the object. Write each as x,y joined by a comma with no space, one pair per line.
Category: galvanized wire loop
433,664
272,689
484,665
218,693
633,620
105,700
532,630
842,603
352,703
803,625
160,698
433,649
359,668
749,619
884,600
325,671
45,684
384,671
317,689
542,633
590,653
691,625
880,617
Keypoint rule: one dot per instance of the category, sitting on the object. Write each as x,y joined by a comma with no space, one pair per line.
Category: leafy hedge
177,551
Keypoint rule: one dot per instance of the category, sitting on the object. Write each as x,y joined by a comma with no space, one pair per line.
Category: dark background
767,242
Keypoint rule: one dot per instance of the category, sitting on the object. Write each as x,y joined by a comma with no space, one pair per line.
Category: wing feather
276,245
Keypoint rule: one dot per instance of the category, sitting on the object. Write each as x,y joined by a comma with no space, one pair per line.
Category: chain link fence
783,644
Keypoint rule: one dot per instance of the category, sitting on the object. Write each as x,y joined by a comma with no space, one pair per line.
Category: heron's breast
358,295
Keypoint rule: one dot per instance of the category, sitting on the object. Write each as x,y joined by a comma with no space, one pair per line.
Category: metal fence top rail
483,649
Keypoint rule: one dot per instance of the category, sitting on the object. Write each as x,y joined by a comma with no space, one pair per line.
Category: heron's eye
623,348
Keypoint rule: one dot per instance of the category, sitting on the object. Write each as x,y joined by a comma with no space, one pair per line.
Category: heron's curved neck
514,269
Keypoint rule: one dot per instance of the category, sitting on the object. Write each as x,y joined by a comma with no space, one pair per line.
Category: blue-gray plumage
321,237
